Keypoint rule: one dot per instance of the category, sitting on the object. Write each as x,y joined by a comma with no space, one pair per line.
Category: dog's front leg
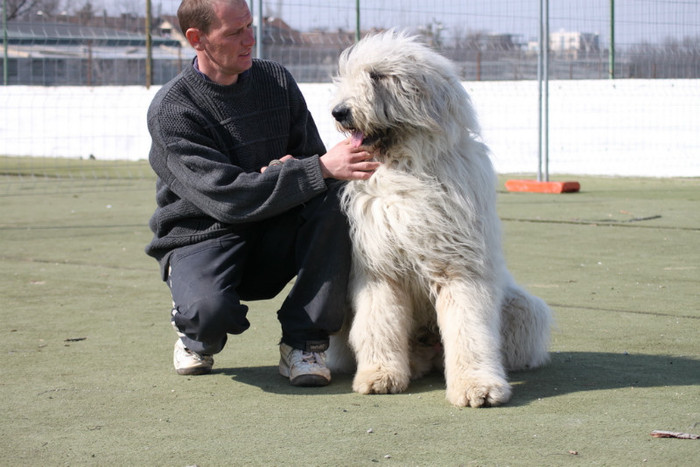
379,337
469,321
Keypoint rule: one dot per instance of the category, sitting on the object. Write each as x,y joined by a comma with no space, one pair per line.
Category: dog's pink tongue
356,138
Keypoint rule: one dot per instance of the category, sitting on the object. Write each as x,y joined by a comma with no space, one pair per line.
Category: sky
636,20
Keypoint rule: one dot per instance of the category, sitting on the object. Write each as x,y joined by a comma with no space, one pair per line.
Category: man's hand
346,162
276,162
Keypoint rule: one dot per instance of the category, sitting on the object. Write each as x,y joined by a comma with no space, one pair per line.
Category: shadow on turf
568,372
571,372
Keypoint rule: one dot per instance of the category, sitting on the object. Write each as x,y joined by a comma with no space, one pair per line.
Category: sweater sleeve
185,158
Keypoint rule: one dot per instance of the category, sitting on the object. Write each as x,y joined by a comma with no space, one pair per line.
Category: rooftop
67,34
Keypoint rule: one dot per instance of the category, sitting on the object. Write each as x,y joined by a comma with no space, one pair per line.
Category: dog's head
391,87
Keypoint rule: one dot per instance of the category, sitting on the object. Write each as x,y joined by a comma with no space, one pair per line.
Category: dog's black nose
341,112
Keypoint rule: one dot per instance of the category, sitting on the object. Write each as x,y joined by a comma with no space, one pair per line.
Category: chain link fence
76,79
489,41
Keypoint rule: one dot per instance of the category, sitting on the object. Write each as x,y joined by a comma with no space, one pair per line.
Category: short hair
198,14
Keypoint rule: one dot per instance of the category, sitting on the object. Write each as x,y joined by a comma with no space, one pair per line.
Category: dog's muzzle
342,115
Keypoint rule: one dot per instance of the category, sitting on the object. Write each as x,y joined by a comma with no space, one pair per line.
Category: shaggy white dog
429,278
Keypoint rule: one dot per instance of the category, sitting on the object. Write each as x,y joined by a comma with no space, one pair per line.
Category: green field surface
87,375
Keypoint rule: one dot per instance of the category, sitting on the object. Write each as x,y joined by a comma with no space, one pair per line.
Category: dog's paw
380,381
479,392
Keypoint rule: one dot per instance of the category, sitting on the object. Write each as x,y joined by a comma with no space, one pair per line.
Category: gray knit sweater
208,145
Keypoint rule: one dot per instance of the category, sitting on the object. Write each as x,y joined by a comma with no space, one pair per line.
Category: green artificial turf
87,376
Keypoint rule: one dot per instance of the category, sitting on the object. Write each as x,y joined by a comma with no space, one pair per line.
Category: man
247,199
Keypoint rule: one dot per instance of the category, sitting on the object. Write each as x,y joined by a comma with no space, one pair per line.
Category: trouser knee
207,320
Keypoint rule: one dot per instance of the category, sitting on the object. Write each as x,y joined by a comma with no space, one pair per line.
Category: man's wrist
324,170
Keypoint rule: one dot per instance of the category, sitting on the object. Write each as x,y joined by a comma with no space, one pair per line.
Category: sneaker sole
193,371
309,381
304,380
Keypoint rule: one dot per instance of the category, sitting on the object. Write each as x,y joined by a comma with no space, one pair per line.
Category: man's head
221,32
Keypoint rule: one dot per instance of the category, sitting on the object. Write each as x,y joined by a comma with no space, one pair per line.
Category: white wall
621,127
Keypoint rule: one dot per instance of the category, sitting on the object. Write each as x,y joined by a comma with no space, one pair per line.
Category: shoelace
311,358
198,357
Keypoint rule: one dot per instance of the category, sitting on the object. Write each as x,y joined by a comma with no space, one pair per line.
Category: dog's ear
430,98
447,103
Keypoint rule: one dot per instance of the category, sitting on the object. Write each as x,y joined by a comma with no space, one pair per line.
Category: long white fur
427,245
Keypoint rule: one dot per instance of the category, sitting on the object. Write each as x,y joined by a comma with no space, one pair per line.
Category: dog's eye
376,76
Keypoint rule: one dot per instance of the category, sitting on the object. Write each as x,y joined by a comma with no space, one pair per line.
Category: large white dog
430,286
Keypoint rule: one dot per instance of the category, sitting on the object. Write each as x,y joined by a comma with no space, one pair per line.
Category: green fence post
357,20
4,41
611,53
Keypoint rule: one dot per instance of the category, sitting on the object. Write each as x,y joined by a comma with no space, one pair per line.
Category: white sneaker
304,368
190,363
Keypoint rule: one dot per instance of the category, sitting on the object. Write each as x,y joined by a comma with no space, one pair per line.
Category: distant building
50,54
574,45
168,28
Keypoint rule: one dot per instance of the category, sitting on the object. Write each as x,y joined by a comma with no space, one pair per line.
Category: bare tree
19,8
134,8
30,9
86,13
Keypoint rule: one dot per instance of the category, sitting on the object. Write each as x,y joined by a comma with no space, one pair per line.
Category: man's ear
194,37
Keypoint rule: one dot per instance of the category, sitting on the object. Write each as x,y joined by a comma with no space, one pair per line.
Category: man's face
227,49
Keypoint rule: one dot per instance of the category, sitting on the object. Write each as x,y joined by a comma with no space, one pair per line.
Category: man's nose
249,39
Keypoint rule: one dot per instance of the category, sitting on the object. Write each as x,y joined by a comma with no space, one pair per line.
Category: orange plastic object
533,186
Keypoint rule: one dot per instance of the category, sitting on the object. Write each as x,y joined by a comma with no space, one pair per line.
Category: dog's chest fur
399,223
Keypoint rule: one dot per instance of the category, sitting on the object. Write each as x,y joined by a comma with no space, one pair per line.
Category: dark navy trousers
209,280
